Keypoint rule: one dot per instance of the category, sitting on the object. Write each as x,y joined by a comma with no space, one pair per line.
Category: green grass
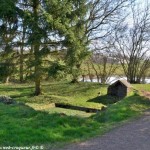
21,125
74,94
129,107
45,125
141,87
50,108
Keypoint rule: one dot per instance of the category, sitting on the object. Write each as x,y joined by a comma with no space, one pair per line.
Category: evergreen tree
76,39
8,28
54,24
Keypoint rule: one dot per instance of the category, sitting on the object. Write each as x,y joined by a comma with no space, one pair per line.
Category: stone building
119,89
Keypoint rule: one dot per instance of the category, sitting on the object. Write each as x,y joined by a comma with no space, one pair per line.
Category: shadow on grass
27,95
22,126
105,99
21,89
80,87
17,92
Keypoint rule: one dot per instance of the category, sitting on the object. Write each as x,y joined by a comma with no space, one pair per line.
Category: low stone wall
86,109
6,99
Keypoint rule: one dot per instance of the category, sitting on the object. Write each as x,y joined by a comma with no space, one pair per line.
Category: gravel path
131,136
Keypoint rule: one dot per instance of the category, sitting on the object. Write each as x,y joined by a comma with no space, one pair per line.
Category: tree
132,45
76,39
50,24
21,39
8,28
44,26
96,18
104,66
103,16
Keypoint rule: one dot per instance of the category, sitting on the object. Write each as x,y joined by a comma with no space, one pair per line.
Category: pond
112,79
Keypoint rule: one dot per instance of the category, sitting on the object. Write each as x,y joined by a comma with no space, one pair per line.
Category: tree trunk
37,72
31,70
21,67
37,87
98,78
21,55
36,45
6,80
91,77
143,80
103,79
83,78
76,74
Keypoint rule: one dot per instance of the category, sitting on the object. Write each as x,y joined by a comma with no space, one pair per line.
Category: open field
119,71
38,122
142,87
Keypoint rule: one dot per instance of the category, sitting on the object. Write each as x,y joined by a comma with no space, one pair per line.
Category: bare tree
104,66
100,23
132,45
90,71
102,15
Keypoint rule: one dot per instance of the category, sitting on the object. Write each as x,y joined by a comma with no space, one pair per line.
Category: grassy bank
37,123
62,92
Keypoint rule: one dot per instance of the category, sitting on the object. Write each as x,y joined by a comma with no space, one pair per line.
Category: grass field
119,71
38,122
76,94
142,87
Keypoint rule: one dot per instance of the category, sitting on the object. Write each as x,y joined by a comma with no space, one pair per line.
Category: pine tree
76,39
8,28
55,23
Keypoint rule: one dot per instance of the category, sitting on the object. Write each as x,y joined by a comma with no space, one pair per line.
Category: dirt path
134,135
131,136
146,94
